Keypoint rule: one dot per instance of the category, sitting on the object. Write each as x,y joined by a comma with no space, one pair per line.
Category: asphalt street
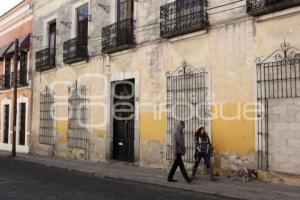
26,181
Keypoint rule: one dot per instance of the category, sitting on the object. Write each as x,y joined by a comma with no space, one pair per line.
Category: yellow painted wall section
62,126
151,127
100,134
237,134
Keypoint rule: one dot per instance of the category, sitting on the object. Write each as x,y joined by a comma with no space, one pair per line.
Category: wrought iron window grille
47,120
187,100
77,121
278,77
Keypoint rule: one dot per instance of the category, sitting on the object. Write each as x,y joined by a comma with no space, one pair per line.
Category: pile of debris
245,175
240,167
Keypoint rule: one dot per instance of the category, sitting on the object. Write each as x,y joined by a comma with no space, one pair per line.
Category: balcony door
52,43
7,73
124,10
82,22
124,23
188,12
22,80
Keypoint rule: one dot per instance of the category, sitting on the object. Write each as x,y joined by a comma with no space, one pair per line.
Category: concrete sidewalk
223,187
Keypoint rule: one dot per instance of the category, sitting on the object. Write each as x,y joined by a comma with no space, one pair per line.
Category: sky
7,5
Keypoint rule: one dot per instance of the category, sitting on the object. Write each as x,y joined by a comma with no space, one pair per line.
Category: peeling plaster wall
228,51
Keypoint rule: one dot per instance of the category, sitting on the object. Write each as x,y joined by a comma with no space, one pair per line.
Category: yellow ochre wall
227,51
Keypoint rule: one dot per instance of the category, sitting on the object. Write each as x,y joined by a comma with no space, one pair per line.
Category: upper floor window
45,59
82,17
120,35
124,9
76,49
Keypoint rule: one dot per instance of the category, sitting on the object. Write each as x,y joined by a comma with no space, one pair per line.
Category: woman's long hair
198,133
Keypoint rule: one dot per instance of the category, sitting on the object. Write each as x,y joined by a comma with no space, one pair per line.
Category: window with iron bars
47,117
77,122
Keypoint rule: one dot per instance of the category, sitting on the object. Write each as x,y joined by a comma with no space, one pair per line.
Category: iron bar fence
183,16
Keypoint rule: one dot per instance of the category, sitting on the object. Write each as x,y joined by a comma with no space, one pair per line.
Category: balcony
261,7
75,50
118,36
22,78
6,80
182,17
45,59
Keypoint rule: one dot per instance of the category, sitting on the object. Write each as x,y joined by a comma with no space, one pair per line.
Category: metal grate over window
77,110
278,77
187,101
47,117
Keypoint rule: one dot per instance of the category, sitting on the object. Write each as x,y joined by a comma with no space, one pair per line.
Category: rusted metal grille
183,16
77,123
278,77
186,101
47,117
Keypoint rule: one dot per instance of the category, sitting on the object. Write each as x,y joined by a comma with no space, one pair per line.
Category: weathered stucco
227,50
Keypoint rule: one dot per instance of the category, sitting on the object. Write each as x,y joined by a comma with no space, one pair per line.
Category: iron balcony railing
75,50
45,59
260,7
118,36
22,78
182,17
6,80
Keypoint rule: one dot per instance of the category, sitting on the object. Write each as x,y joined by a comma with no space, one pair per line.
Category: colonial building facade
112,78
16,23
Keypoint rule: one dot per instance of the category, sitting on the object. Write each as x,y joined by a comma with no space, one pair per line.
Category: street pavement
27,181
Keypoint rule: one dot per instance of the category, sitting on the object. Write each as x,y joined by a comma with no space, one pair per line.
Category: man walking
179,150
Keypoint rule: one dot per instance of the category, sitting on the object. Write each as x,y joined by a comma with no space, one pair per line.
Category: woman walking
179,151
204,149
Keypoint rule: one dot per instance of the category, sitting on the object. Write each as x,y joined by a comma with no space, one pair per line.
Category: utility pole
15,88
